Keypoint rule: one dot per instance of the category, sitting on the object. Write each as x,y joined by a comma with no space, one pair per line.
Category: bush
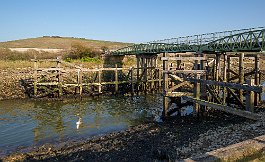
79,51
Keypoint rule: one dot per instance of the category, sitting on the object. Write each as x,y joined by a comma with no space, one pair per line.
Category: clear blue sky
126,20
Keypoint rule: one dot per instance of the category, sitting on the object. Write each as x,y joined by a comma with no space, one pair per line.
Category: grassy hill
60,43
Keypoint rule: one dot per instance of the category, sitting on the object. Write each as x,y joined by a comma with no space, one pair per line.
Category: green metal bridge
244,40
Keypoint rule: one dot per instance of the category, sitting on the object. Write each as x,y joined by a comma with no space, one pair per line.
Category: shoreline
174,139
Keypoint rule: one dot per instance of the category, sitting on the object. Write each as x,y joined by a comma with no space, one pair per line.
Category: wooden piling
241,74
35,77
60,86
132,83
228,75
99,81
165,87
80,81
116,80
196,90
224,77
257,78
250,97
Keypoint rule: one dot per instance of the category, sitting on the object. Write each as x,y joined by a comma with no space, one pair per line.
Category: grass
60,43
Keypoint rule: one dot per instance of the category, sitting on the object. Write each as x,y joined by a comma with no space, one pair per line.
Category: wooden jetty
66,78
229,82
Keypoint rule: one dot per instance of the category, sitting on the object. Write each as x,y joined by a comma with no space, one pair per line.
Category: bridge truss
228,41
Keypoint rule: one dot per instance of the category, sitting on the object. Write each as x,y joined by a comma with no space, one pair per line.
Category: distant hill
56,42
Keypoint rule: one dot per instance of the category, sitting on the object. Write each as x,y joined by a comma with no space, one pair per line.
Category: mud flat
175,139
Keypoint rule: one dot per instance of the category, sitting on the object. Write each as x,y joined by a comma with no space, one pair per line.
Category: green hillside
60,43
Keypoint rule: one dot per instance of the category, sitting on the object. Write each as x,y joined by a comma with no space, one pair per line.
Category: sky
125,20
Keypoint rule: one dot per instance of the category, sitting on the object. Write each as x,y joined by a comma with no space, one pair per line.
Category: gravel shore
177,138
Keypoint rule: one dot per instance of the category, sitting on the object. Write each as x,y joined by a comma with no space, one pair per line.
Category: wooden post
218,58
224,78
35,77
159,78
165,87
145,73
151,74
228,75
99,80
196,91
138,73
60,86
250,97
132,85
80,80
241,74
257,78
116,80
178,62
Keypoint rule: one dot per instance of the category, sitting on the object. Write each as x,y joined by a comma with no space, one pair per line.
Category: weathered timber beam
187,71
182,58
179,85
236,97
233,72
213,94
245,75
178,94
176,78
225,108
226,84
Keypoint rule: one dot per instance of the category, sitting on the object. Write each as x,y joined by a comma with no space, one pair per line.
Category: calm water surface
29,123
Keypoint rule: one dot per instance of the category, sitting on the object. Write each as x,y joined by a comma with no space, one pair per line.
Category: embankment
12,83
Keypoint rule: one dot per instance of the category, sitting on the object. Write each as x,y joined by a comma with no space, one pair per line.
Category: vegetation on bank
89,55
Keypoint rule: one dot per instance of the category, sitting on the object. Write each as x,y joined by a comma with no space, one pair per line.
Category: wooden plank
183,58
225,108
178,94
187,71
226,84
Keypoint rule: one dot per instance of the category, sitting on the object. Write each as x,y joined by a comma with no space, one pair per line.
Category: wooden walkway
229,82
66,78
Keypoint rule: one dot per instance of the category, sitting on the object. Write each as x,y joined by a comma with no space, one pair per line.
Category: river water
26,123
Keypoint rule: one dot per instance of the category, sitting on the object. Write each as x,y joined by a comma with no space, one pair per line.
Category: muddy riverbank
177,138
12,83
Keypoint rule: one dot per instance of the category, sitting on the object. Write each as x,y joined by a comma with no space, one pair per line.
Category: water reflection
26,122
